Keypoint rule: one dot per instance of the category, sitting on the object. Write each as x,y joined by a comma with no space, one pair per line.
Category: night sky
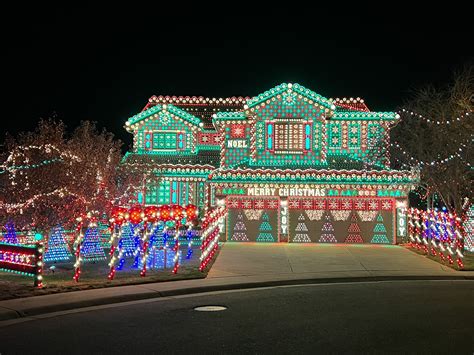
103,64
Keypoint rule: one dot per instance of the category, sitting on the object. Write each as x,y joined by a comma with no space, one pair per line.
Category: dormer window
165,140
288,137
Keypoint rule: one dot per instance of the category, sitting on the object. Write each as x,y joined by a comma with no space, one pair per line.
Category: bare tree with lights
435,135
49,178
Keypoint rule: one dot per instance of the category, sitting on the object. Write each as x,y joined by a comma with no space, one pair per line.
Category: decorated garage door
252,219
341,220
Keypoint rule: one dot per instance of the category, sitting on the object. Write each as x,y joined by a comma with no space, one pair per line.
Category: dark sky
103,63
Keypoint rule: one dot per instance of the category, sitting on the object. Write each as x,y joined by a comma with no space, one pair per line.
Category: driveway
300,261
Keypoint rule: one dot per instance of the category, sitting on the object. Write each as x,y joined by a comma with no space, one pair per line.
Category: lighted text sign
401,222
284,191
237,143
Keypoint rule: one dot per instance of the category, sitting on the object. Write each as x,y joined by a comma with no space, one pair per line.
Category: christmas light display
239,234
327,230
104,231
301,227
86,248
10,235
137,232
270,159
437,233
210,235
315,215
354,231
380,233
91,249
265,229
469,230
24,260
57,249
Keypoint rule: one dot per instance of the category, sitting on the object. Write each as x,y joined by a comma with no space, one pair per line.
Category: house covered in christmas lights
290,165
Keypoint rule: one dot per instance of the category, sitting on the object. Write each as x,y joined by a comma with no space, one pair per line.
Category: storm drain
210,308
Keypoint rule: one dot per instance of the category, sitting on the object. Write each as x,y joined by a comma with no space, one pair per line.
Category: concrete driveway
300,261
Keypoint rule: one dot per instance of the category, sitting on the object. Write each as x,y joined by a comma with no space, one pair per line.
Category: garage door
252,219
341,220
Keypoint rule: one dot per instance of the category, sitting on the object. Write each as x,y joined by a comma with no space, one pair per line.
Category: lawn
94,275
468,259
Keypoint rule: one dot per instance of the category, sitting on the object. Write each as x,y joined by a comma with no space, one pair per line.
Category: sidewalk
255,265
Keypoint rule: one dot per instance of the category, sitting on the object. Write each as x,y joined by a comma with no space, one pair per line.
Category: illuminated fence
437,233
23,259
210,235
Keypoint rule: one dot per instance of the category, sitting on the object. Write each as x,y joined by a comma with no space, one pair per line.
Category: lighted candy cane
150,216
137,230
118,217
77,247
177,215
191,215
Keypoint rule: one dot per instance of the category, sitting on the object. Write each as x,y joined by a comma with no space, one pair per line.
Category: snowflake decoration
294,204
247,204
307,205
386,205
346,204
373,205
320,205
238,131
234,204
333,205
354,130
259,204
272,204
335,129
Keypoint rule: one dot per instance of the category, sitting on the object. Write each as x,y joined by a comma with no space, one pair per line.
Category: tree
49,177
434,135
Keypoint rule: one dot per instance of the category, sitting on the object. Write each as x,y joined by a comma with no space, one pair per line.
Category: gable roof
199,106
158,109
300,89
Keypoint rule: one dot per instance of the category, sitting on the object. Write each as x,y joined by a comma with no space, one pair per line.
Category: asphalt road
375,317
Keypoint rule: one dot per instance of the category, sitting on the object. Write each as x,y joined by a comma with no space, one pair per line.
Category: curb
8,313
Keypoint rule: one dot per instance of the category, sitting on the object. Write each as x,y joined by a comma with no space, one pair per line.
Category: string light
442,122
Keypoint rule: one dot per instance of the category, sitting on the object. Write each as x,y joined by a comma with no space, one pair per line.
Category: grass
468,259
93,276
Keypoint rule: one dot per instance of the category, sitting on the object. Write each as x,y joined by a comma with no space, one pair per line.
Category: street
364,317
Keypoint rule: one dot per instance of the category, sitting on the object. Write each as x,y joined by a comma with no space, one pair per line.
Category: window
288,137
164,141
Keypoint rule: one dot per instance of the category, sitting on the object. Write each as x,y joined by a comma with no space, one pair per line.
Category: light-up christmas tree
91,250
265,228
301,227
327,230
354,231
10,236
57,248
380,233
239,234
127,240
